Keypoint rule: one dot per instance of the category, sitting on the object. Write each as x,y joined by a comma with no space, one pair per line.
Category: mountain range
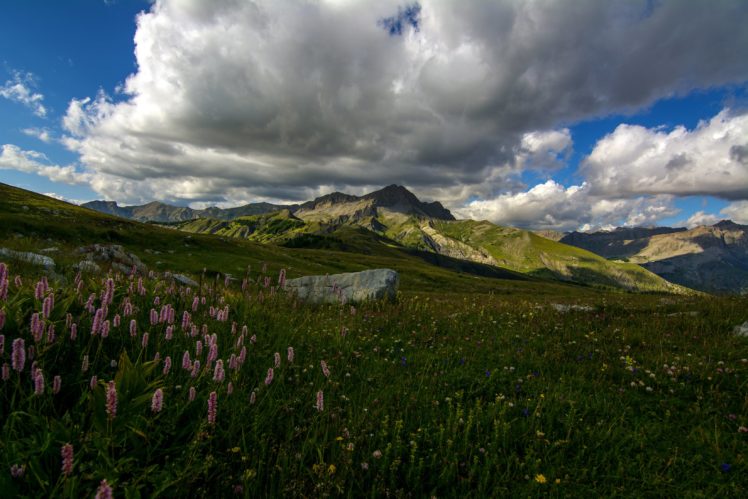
395,217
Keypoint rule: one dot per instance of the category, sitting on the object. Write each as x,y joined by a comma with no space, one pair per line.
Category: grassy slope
29,221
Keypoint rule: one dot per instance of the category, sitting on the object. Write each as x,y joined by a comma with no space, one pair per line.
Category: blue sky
522,123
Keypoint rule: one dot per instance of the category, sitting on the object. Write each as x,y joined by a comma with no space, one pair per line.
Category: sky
563,115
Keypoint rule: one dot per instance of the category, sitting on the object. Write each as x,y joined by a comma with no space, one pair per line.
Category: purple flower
290,354
320,401
38,382
167,365
157,401
725,467
17,471
218,373
212,407
104,491
18,356
67,459
269,377
325,369
111,400
277,360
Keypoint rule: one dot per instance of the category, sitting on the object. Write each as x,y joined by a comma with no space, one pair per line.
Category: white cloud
20,89
553,206
701,218
42,134
712,159
15,158
273,99
737,212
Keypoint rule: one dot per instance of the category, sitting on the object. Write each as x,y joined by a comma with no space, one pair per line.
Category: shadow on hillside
725,276
466,266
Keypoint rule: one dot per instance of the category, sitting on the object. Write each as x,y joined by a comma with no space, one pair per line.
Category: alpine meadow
337,248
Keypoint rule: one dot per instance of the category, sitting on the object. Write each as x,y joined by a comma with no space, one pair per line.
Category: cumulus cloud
706,160
15,158
737,212
701,218
43,134
553,206
274,99
20,88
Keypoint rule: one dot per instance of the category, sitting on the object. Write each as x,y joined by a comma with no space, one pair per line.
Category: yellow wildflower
540,478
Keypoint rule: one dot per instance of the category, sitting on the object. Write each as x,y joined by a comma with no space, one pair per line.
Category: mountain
709,258
395,217
164,213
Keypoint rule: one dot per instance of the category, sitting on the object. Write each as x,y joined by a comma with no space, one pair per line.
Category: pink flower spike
290,354
157,401
218,373
269,377
133,327
18,356
277,360
252,397
111,400
320,401
56,384
193,393
167,365
325,369
104,491
144,342
38,382
67,459
212,407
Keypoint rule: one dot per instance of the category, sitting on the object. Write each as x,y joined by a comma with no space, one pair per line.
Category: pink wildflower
218,373
97,320
253,339
67,459
51,334
325,369
195,368
38,382
133,327
111,400
144,342
198,348
282,279
117,320
242,356
320,401
167,365
290,354
6,371
56,384
37,327
212,353
18,356
73,331
169,333
93,382
154,317
105,328
186,362
157,401
230,388
104,491
212,407
252,397
17,471
84,364
193,393
277,360
269,377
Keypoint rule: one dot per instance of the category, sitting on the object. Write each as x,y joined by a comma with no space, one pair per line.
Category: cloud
710,159
274,99
553,206
20,89
701,218
15,158
42,134
737,212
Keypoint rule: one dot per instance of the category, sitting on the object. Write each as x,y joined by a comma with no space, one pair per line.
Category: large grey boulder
742,329
114,255
27,256
349,287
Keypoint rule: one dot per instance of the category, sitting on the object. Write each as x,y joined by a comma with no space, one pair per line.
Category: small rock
183,279
53,249
741,330
560,307
29,257
87,266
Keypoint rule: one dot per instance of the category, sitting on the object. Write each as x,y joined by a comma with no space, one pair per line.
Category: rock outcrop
114,255
27,256
373,284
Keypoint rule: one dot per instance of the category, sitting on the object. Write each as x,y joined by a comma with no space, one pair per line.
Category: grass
466,385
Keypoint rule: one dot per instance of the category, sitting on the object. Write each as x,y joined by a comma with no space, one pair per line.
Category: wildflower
364,466
104,491
195,368
218,372
277,360
212,353
198,348
743,429
51,334
290,354
282,279
725,467
377,454
18,356
144,341
47,305
331,469
253,339
18,282
105,329
192,394
230,388
325,370
111,400
154,317
2,342
186,362
169,332
73,331
6,371
212,407
37,327
38,382
185,320
167,365
56,384
67,459
84,364
269,377
252,397
157,401
320,401
17,471
540,478
93,382
195,304
242,356
97,320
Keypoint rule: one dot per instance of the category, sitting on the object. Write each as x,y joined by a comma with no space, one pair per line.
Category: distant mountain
164,213
709,258
393,216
